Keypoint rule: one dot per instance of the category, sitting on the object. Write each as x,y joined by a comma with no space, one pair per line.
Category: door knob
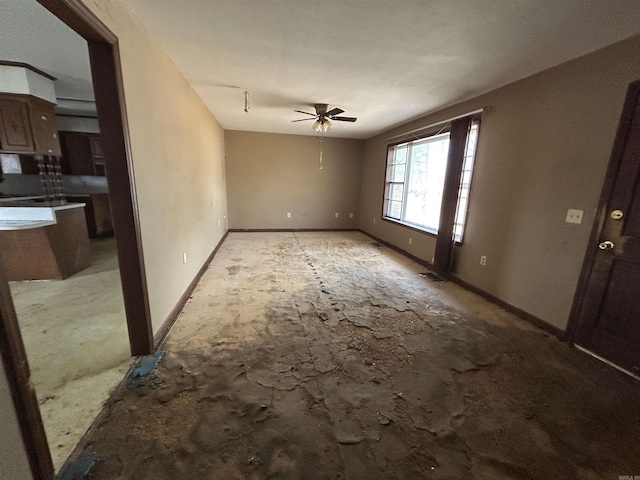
606,245
617,214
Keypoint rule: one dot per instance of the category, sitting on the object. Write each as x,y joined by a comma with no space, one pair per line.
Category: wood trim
82,100
109,92
538,322
162,333
445,240
108,86
253,230
105,69
75,116
14,359
622,132
422,262
79,18
9,63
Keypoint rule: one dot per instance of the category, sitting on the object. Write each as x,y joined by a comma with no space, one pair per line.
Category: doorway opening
110,257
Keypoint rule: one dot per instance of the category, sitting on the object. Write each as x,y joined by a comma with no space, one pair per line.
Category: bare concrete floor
76,339
320,355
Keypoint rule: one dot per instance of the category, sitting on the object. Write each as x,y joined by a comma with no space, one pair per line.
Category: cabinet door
98,156
15,129
76,151
45,133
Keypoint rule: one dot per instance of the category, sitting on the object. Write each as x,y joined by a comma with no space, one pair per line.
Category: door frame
25,402
108,85
106,74
626,118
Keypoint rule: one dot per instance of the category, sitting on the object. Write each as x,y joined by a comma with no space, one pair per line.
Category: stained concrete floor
320,355
75,335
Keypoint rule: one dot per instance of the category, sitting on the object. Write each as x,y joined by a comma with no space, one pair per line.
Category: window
415,181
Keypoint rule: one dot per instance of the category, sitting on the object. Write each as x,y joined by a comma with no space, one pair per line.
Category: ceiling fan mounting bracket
322,109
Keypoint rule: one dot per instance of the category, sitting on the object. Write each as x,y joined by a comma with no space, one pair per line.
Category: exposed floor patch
75,335
322,356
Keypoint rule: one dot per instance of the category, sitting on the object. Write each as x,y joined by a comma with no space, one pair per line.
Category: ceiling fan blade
344,119
303,119
334,111
306,113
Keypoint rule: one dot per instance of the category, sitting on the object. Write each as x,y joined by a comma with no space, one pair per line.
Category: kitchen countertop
24,217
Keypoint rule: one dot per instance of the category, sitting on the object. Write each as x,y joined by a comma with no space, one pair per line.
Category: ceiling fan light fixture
322,125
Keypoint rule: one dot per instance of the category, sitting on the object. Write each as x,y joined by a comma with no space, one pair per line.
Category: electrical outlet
351,215
184,258
574,216
374,219
288,214
410,240
483,260
218,222
337,214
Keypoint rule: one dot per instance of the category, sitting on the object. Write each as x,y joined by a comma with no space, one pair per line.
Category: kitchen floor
325,355
75,335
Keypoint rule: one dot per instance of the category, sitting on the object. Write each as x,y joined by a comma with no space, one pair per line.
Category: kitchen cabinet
57,249
15,128
97,213
82,154
97,155
27,126
45,132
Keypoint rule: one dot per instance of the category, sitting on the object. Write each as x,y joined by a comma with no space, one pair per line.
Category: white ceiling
383,61
30,34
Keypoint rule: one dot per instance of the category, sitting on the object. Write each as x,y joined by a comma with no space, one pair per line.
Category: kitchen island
38,242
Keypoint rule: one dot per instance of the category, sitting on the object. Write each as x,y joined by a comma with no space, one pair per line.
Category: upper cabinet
45,132
15,127
27,126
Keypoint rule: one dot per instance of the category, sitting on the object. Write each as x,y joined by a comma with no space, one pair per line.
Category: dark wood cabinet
97,213
98,156
76,154
81,154
45,132
54,251
27,126
15,128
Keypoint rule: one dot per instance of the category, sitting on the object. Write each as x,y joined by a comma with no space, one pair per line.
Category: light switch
574,216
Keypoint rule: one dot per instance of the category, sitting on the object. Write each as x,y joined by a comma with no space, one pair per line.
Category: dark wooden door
607,308
76,153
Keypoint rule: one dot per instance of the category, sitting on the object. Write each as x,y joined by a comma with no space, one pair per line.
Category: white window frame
464,188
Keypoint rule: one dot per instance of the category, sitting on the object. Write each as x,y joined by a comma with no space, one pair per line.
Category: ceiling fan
323,116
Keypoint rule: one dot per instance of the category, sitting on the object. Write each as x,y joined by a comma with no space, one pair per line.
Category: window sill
411,226
415,228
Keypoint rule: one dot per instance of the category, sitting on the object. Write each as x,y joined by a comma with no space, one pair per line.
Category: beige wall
270,175
178,159
544,147
14,464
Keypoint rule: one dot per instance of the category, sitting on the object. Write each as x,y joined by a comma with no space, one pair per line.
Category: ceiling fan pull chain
246,101
321,138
